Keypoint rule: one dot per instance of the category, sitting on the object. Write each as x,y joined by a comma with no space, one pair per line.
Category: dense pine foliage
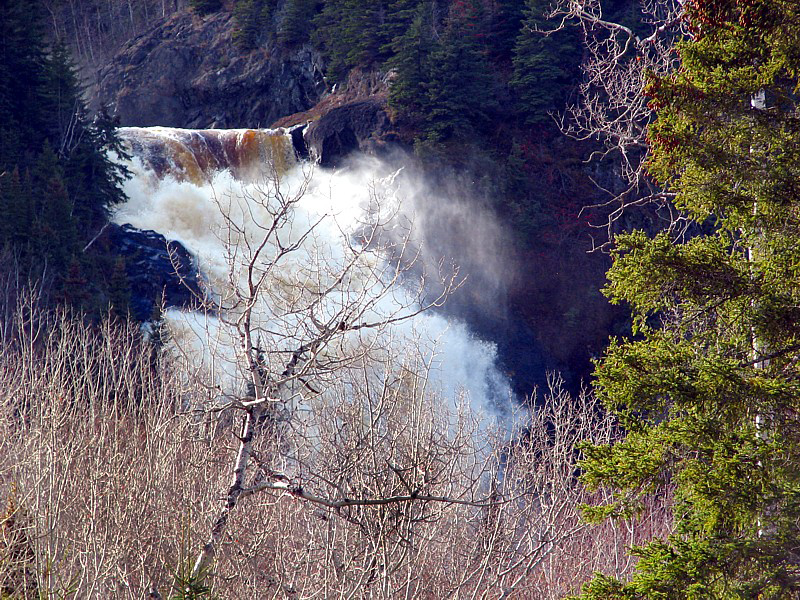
56,180
708,390
457,65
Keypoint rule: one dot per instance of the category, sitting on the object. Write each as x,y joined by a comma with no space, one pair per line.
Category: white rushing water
184,182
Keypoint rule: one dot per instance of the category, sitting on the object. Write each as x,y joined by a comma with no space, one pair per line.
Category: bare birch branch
612,107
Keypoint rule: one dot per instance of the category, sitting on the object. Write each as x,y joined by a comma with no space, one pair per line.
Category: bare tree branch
298,335
612,106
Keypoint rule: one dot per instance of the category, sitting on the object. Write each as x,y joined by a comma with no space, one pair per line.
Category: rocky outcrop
360,126
353,117
155,267
188,72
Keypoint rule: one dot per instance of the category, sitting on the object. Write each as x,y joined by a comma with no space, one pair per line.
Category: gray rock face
188,72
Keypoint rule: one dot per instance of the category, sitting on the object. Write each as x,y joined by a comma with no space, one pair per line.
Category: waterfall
185,182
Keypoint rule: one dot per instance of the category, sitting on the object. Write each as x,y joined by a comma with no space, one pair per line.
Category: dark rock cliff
157,269
353,117
187,72
354,126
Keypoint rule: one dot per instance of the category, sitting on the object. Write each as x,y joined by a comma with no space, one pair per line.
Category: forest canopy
57,182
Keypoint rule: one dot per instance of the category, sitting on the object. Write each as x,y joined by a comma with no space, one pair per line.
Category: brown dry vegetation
113,470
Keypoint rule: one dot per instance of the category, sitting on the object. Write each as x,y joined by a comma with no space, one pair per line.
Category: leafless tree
342,417
114,480
312,457
95,29
612,106
520,534
300,315
84,455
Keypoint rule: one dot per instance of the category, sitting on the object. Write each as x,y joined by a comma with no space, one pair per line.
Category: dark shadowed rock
359,125
188,72
151,262
299,141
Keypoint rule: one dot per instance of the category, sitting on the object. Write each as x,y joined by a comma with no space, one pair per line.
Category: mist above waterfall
450,225
185,183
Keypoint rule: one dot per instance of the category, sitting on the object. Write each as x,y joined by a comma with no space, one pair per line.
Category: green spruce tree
75,287
92,178
709,390
204,7
546,64
158,336
413,51
295,22
461,88
506,22
55,230
400,14
119,289
23,80
351,34
57,177
253,19
19,201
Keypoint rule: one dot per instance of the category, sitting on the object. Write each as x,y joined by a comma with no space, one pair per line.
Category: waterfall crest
196,155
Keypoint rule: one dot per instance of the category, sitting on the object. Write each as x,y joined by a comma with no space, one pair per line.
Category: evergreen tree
461,88
709,391
400,14
75,287
23,77
62,100
253,19
18,198
412,63
119,289
546,66
57,180
94,181
505,25
158,336
351,34
55,230
295,21
204,7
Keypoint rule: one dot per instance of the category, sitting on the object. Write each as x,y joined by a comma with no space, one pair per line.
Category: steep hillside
187,72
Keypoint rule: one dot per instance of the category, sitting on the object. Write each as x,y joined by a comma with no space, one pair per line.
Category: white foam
335,204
